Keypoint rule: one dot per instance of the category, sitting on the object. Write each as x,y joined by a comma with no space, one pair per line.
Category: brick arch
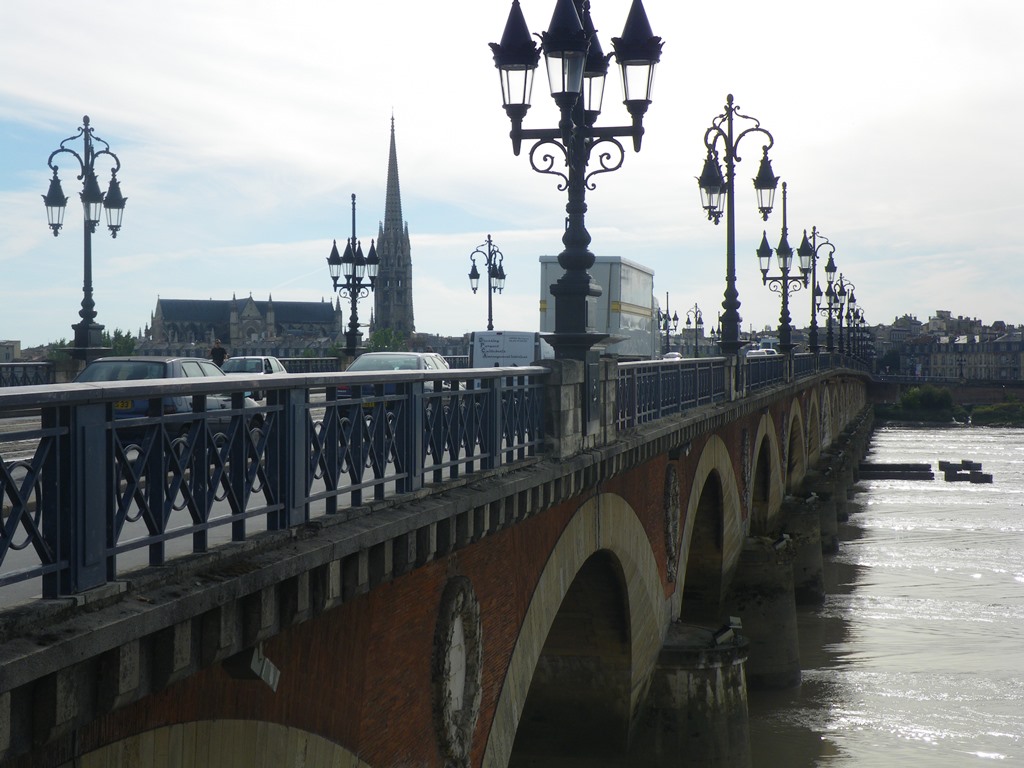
715,463
814,445
766,477
604,523
224,744
796,454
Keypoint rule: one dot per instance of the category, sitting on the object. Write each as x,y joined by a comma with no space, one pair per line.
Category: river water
917,656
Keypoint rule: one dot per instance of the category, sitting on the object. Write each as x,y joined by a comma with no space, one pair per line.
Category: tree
386,340
120,343
890,362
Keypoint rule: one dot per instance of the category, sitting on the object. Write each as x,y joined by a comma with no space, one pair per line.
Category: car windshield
372,362
243,365
122,370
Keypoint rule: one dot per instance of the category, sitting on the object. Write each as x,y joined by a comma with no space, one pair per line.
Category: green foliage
120,343
1000,413
59,351
891,361
926,403
386,340
927,398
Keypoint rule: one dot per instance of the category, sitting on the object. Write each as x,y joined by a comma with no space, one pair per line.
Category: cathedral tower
392,298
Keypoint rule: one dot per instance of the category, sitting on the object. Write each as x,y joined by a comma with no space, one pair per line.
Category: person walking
218,354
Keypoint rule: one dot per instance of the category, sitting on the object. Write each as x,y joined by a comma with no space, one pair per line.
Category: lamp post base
573,346
88,342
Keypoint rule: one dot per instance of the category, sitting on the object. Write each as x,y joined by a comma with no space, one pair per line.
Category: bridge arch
603,544
713,532
224,744
813,435
766,478
796,454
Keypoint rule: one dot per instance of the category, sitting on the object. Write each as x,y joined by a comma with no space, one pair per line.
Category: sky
244,127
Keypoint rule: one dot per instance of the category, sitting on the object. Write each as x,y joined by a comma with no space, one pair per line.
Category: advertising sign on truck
488,349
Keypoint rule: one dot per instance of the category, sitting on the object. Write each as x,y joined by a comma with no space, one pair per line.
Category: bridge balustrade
762,372
26,374
84,493
652,390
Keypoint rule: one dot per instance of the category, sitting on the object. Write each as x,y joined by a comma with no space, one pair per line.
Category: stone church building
243,325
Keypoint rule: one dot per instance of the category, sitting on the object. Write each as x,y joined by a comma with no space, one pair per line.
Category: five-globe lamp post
695,318
493,261
718,193
353,268
668,324
782,283
576,68
88,333
808,252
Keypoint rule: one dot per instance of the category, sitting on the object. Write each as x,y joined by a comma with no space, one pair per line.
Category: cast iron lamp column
844,297
668,324
782,283
88,333
354,268
808,252
831,301
698,326
493,259
718,196
576,67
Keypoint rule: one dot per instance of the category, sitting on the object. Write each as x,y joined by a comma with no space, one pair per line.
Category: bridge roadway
471,572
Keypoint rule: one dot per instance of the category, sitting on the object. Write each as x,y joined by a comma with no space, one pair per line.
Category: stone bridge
518,565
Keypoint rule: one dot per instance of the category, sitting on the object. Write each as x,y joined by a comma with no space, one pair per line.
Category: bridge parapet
189,614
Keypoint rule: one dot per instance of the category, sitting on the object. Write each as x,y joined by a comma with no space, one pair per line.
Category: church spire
393,196
392,299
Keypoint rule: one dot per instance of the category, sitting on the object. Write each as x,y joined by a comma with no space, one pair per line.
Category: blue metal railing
26,374
85,495
652,390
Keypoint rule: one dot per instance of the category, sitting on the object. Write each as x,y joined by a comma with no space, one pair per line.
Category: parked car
397,361
145,368
253,365
768,352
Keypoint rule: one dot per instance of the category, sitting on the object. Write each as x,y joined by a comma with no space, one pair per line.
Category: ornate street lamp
808,252
782,283
668,324
88,333
844,298
354,269
697,317
493,259
576,68
718,197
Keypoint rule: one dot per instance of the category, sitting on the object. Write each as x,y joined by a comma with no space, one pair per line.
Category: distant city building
242,324
965,357
392,297
9,351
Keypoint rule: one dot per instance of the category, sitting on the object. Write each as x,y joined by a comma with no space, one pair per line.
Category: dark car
253,365
145,368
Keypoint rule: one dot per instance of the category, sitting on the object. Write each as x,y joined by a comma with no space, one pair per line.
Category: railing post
563,412
409,439
84,517
288,456
490,423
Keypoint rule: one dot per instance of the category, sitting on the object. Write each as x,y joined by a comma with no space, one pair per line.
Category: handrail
85,493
